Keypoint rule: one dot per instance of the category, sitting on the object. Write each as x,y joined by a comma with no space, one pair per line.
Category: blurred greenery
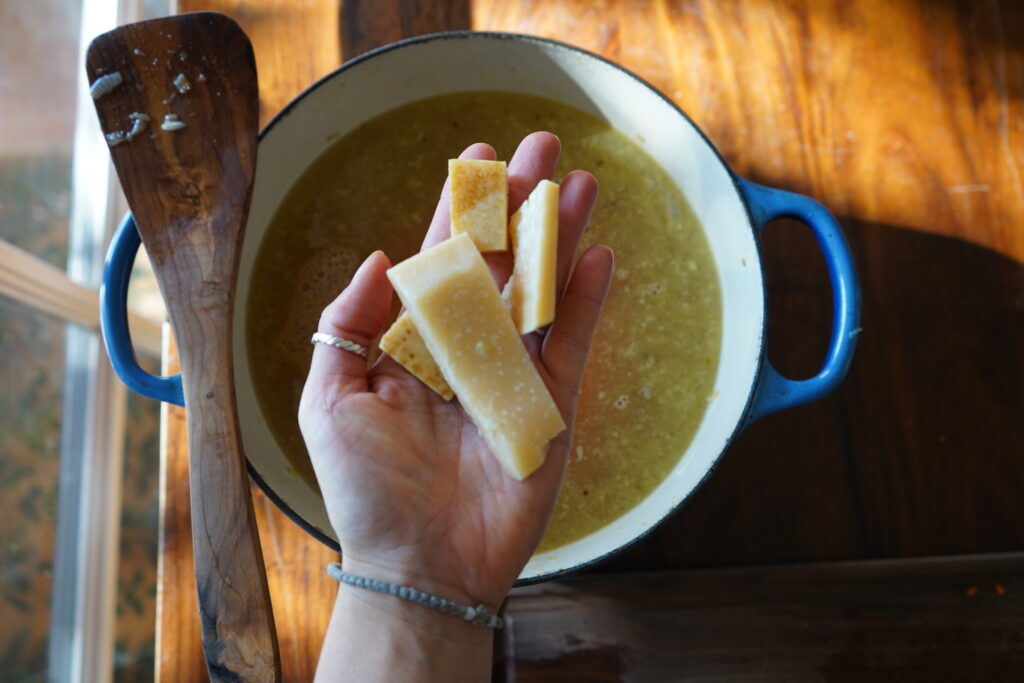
135,627
32,354
33,216
32,357
35,199
39,67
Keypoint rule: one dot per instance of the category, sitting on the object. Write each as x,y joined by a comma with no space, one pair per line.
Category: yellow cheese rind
530,291
479,202
404,344
449,292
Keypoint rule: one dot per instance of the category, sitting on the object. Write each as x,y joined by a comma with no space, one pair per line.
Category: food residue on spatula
172,123
182,84
107,83
104,84
139,121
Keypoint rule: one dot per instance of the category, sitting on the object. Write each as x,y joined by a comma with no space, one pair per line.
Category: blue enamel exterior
775,392
114,319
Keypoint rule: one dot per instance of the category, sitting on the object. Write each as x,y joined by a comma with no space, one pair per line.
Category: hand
411,488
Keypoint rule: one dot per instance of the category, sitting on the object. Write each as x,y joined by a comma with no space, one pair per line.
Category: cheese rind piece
530,291
403,343
479,202
449,292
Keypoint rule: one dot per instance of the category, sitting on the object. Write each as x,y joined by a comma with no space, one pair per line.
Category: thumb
356,316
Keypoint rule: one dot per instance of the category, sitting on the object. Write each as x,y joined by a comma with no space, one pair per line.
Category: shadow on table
920,452
893,620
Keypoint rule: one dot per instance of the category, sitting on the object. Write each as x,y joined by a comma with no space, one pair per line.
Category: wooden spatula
189,183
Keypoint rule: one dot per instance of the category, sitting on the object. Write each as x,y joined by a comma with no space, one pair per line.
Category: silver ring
343,344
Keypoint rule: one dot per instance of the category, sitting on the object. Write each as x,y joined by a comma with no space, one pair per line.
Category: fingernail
365,263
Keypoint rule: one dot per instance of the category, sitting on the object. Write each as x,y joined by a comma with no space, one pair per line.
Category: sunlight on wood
863,106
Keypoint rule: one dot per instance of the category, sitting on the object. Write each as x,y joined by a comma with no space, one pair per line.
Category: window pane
32,358
152,9
136,575
38,76
144,296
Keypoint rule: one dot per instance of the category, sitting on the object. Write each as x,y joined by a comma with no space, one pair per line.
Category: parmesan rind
530,292
405,345
454,303
479,202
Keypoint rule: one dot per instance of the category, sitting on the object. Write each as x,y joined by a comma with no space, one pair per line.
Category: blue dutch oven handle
775,392
114,319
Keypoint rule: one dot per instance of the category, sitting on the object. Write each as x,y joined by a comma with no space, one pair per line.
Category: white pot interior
461,62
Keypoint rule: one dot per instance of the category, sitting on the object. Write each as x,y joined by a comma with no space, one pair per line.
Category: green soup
654,358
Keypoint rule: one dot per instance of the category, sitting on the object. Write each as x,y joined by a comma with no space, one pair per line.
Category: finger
535,160
357,315
568,341
576,200
441,224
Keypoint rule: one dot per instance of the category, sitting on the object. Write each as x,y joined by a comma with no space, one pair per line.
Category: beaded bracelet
478,616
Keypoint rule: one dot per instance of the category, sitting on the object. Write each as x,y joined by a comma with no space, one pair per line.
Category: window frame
84,592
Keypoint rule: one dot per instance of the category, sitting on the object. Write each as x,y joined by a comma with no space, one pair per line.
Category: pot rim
740,195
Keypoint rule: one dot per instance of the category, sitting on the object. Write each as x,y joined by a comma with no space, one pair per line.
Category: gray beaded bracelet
478,616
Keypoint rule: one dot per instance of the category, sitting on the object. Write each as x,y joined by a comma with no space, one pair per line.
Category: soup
655,355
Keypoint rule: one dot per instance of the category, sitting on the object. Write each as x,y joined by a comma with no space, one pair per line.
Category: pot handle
114,319
775,392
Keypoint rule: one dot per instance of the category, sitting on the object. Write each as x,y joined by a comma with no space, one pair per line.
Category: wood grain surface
934,619
301,592
905,118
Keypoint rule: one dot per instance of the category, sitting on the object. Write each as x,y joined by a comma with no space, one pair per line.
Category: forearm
377,637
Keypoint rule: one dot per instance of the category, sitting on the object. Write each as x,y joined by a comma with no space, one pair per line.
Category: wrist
414,575
383,637
414,620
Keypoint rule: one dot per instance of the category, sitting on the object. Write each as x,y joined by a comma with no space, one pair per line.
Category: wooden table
906,118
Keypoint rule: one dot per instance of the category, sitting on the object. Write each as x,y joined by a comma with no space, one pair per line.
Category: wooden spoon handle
189,188
234,603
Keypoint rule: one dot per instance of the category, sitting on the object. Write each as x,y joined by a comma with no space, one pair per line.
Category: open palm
411,488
